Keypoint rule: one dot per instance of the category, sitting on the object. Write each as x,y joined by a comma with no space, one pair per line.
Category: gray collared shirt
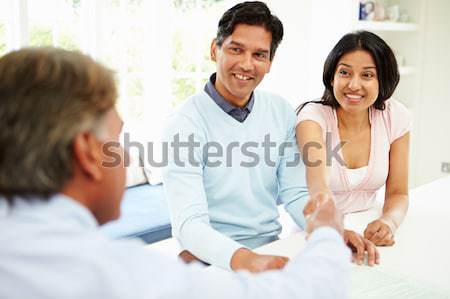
239,114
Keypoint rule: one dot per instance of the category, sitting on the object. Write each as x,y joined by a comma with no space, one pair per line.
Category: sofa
144,215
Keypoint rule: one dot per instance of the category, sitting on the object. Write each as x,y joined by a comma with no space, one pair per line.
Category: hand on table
380,232
359,246
245,259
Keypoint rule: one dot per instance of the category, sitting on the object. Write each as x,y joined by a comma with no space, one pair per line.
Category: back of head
47,96
250,13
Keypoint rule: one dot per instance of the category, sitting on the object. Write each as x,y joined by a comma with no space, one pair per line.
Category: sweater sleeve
183,185
293,191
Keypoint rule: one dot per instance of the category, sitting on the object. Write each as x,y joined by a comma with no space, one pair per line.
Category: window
158,63
195,23
2,38
54,23
3,21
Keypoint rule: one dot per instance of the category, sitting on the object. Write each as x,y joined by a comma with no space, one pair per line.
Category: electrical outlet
445,167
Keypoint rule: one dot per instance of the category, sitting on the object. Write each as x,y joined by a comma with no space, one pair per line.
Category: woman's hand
321,211
359,246
380,232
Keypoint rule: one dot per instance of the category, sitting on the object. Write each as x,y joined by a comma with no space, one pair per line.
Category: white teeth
352,96
242,77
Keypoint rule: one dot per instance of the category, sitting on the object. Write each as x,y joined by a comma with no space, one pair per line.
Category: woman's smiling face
355,82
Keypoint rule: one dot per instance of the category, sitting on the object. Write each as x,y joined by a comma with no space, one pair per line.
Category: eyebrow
243,46
366,67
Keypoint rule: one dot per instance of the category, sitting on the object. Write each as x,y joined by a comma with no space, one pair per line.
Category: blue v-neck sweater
225,195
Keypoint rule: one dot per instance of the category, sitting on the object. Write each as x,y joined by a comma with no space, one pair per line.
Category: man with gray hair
59,131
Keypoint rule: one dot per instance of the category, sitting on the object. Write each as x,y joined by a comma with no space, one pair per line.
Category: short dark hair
47,96
250,13
385,62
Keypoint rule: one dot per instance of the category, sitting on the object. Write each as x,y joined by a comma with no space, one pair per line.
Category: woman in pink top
360,75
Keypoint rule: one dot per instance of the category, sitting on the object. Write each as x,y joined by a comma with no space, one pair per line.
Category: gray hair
47,97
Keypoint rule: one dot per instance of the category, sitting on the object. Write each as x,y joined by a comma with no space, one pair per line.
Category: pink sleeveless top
386,127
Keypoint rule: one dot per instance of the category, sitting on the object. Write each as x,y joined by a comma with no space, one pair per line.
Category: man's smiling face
242,61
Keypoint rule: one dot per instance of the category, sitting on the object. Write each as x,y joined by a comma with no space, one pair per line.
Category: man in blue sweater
233,152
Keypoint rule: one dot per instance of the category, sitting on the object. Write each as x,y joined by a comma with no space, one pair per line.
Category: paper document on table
372,283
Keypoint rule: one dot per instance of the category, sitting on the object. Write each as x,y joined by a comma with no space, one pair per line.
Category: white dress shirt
52,249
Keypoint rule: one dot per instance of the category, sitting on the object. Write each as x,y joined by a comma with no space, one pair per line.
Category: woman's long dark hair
385,62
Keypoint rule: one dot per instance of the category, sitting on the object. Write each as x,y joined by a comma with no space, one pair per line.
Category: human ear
213,50
86,152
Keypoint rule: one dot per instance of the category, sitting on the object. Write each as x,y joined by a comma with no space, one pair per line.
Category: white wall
312,28
434,102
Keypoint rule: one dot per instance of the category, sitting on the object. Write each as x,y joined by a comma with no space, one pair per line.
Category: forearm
396,199
317,181
395,208
315,160
207,244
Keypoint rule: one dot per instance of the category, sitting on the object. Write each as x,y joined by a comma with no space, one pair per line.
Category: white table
420,256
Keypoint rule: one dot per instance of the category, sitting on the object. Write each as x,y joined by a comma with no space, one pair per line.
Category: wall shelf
385,26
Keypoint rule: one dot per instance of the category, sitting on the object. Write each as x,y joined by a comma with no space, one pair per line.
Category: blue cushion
144,214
